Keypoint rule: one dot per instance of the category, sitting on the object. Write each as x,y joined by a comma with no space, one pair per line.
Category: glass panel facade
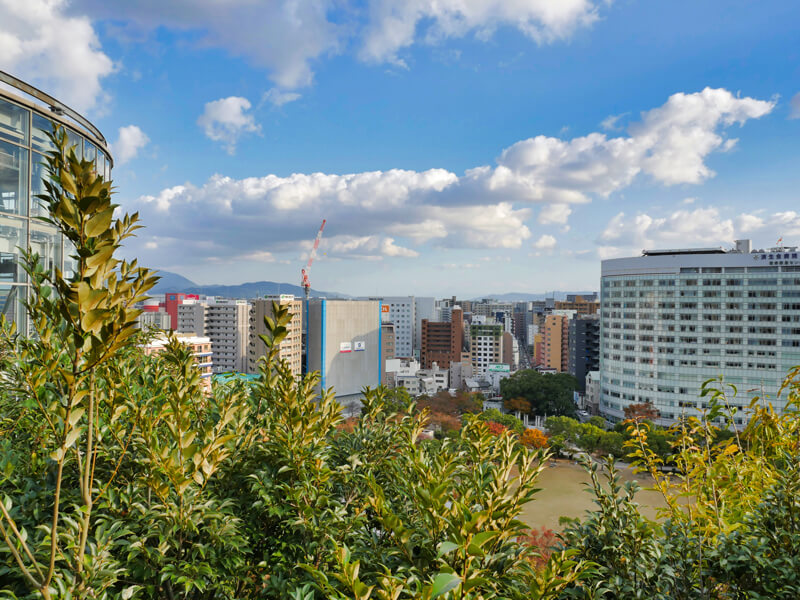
89,151
23,144
37,207
41,127
74,141
13,235
13,179
14,122
70,264
11,307
46,242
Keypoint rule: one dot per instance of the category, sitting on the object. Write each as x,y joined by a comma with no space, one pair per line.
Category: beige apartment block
291,348
201,349
556,343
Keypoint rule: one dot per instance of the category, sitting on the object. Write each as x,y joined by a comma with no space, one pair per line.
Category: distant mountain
172,282
525,297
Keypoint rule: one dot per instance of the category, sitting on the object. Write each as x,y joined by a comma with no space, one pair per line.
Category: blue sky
459,147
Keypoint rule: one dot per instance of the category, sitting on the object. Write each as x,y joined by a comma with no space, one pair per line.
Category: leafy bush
141,485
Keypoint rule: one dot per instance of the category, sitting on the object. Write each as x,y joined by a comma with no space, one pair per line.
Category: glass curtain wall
23,142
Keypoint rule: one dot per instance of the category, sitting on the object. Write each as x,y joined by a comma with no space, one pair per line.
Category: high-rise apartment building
291,348
584,348
671,319
27,115
555,347
344,345
486,346
226,322
442,341
172,300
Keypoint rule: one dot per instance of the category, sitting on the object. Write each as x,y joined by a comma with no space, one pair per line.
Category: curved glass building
26,116
670,319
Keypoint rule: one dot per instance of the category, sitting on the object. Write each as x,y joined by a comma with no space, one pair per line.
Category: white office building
407,313
671,319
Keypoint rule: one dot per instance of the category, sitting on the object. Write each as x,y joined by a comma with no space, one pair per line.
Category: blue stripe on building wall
322,346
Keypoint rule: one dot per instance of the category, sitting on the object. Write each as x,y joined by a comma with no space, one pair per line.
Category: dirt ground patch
564,493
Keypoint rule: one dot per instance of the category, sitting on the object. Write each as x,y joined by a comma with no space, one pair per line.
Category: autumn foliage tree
533,438
518,405
446,410
641,412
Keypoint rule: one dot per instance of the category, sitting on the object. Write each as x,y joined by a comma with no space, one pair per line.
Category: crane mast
305,283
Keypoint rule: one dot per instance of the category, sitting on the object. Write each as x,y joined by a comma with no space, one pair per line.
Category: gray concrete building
344,344
226,322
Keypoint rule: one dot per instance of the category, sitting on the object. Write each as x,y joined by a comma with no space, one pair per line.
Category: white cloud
130,140
670,143
545,242
287,37
681,228
226,120
61,54
282,36
368,247
701,227
257,256
396,24
279,97
391,213
610,123
688,200
555,214
794,106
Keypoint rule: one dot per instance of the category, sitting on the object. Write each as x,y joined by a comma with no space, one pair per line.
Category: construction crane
307,269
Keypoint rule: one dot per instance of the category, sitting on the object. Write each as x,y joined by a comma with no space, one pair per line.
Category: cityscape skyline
512,150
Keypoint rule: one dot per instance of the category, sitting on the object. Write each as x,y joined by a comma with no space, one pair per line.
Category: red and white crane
307,269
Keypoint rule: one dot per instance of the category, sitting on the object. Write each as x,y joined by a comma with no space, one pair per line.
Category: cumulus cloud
627,235
555,214
226,120
390,213
702,226
368,247
130,140
794,106
545,242
670,143
396,24
61,54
